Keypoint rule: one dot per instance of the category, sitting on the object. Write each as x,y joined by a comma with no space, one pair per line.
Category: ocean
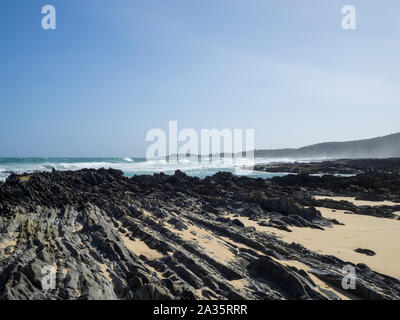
131,166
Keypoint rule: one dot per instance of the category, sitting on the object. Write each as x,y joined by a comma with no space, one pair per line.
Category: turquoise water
130,166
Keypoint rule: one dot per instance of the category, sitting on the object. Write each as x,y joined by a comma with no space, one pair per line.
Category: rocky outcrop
365,251
369,186
96,234
337,167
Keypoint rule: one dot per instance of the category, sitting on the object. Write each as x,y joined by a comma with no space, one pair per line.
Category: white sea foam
191,165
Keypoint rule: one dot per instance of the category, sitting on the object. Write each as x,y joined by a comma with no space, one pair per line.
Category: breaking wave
130,166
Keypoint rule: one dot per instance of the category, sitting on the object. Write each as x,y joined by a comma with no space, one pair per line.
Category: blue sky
112,70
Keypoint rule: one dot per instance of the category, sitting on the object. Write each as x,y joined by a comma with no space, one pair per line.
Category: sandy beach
181,237
139,247
377,234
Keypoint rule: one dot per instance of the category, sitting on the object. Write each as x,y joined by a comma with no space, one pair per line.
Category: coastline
108,236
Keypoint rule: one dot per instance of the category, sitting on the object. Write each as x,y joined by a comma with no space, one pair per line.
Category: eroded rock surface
95,234
342,166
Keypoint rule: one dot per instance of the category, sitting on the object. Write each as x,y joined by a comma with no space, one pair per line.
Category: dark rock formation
369,186
343,166
95,234
365,251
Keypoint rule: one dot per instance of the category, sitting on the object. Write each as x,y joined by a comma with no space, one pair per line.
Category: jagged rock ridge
106,236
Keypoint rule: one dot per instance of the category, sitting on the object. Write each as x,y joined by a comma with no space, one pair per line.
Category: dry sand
139,247
8,243
212,244
378,234
106,272
218,246
239,284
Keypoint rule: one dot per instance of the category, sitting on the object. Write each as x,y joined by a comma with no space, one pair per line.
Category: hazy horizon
111,71
127,156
